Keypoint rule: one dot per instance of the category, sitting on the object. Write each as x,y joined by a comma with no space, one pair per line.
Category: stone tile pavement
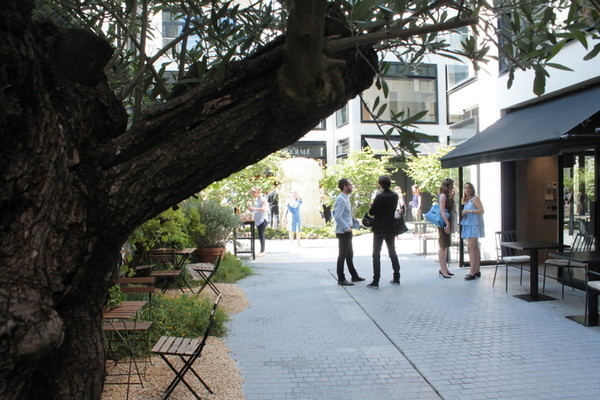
306,338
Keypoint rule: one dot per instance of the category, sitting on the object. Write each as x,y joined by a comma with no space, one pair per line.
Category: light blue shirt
259,216
342,213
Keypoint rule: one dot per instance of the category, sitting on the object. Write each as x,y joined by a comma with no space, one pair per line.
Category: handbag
435,217
367,220
400,225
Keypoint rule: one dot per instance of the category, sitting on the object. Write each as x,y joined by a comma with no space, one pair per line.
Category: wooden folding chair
143,284
188,350
207,271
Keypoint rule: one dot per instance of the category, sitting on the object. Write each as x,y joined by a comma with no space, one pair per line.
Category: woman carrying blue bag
446,202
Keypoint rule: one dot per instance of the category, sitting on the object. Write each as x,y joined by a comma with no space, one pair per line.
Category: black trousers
261,234
346,254
390,241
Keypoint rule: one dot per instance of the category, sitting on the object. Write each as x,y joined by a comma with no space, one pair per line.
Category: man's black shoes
345,283
393,282
357,279
373,285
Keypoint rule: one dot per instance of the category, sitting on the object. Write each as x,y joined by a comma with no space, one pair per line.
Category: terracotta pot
208,255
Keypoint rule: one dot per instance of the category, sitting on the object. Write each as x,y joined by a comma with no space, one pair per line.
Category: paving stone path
306,338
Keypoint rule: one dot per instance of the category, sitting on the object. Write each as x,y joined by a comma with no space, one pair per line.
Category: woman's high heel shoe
444,276
450,273
478,274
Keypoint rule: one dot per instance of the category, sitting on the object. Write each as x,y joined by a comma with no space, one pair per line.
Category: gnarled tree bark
75,181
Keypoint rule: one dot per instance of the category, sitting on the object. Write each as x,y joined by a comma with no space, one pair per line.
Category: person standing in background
401,209
383,208
273,199
342,215
446,201
325,208
415,203
472,228
259,210
292,216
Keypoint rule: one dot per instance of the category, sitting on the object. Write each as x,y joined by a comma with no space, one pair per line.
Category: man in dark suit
383,209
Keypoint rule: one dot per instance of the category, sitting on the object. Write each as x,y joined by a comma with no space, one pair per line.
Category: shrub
209,223
232,269
186,315
312,232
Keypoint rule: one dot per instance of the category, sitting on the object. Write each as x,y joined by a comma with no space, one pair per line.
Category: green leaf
376,102
592,53
381,110
511,78
539,82
361,10
414,118
558,66
555,49
386,89
581,37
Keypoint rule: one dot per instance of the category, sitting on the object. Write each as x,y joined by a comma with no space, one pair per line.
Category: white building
521,181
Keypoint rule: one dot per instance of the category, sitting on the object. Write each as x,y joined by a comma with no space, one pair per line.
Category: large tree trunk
75,182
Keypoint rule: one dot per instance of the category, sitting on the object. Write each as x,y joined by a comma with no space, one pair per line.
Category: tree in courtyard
96,137
363,168
235,189
427,172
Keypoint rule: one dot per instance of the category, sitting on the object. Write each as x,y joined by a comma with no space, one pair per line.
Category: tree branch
376,37
303,57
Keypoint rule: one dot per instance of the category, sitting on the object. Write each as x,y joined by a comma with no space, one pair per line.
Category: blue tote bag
435,217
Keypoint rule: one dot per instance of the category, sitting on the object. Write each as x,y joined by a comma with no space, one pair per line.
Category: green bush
209,223
184,316
312,232
232,269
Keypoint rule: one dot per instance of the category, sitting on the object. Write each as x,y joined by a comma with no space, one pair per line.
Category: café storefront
548,170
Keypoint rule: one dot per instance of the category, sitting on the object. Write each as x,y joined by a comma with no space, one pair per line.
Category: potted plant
209,226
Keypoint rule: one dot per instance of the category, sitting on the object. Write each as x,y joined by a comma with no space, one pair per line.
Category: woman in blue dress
294,225
472,229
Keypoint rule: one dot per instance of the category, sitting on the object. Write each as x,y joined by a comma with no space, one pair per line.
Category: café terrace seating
188,350
507,256
582,242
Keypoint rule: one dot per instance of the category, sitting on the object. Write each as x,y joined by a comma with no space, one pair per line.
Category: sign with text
307,149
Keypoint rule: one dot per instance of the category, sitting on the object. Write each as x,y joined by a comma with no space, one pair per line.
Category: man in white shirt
344,222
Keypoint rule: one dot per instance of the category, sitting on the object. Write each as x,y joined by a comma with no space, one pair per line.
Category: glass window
341,116
459,72
409,91
321,127
171,27
342,147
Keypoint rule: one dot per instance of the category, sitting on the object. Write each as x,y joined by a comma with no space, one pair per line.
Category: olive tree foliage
426,170
363,168
98,136
234,190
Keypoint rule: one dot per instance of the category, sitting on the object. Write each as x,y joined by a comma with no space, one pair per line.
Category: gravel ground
214,366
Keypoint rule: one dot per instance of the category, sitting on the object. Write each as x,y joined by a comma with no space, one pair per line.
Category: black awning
531,132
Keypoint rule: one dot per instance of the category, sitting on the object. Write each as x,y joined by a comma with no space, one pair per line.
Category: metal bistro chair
592,291
188,350
582,242
507,256
207,271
